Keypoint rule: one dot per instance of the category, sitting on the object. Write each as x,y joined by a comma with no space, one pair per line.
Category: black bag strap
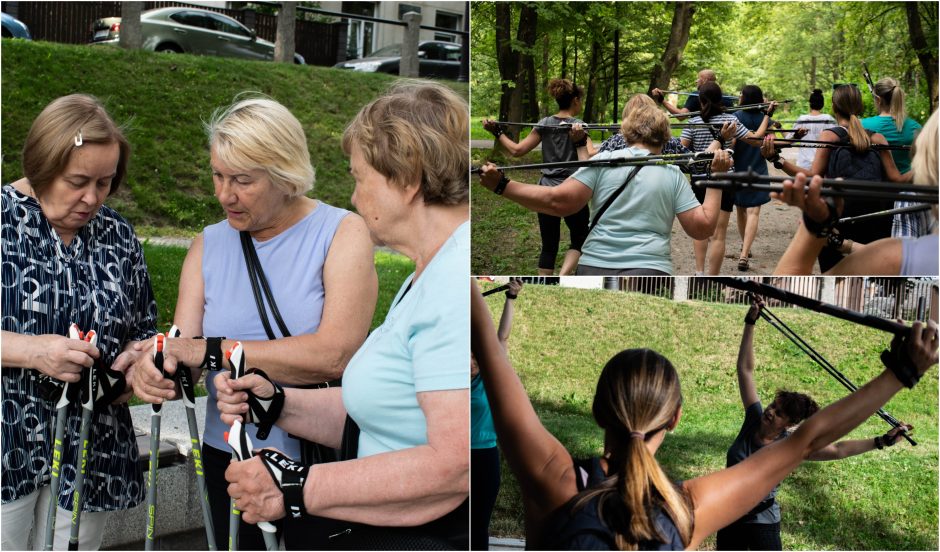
613,197
349,449
258,279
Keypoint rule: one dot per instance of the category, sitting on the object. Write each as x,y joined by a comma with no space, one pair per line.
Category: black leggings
750,536
550,230
484,486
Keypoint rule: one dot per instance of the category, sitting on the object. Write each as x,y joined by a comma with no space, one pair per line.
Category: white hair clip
78,139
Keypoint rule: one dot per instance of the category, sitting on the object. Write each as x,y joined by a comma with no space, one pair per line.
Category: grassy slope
164,99
884,500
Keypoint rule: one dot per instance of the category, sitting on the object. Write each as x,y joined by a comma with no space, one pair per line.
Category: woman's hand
515,286
922,345
255,492
727,131
124,364
753,313
799,133
721,162
148,383
232,395
61,357
808,199
489,176
577,133
767,148
893,435
491,126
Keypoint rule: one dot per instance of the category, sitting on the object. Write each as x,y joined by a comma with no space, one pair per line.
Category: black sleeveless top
583,529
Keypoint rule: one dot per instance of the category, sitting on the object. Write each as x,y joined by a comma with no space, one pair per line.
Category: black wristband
581,143
775,159
822,229
878,443
899,362
497,132
511,295
501,186
290,477
213,357
778,164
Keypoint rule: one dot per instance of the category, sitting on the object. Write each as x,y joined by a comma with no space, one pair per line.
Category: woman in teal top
900,130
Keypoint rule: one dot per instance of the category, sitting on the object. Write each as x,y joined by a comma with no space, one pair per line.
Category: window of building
361,34
448,21
405,8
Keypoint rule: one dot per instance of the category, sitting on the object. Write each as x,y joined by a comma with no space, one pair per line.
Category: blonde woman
318,262
898,129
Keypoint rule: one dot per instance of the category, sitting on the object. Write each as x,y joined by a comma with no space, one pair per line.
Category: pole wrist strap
290,477
213,357
899,362
264,411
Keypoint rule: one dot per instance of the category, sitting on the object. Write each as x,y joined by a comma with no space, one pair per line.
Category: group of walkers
630,235
381,461
623,499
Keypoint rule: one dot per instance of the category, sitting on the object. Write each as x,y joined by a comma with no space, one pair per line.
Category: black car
435,60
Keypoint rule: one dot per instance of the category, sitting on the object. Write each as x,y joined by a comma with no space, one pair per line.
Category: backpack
848,163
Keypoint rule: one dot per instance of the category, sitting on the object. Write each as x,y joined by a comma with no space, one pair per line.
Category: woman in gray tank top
556,146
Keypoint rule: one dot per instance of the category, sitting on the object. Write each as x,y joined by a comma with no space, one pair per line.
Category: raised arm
539,461
505,320
726,495
746,385
565,199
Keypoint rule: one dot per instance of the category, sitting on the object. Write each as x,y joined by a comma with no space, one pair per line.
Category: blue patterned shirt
100,282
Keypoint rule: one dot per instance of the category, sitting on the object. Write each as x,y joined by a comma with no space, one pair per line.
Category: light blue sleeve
439,338
685,198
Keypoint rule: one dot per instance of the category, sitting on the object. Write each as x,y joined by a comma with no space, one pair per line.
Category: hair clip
78,139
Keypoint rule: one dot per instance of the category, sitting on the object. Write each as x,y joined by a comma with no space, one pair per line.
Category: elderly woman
632,236
406,389
318,263
68,259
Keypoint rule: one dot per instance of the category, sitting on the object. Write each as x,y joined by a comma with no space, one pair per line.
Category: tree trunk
591,101
546,45
564,55
678,38
525,82
926,56
812,74
505,62
286,26
130,35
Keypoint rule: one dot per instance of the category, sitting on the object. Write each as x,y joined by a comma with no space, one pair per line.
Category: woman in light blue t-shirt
633,235
407,388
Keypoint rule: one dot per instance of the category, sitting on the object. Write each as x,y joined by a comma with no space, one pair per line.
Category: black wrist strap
899,362
264,411
290,477
511,295
879,443
501,186
581,143
212,360
822,229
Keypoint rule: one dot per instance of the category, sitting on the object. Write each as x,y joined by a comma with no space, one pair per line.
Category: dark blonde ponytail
847,103
892,98
638,395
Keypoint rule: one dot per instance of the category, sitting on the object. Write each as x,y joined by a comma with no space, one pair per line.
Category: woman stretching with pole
624,499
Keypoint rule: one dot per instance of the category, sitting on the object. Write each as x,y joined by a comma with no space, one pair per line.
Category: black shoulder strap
258,280
613,197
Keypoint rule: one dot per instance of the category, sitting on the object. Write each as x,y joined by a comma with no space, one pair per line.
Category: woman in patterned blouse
68,259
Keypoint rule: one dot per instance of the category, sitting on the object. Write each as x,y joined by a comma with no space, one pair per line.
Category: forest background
787,48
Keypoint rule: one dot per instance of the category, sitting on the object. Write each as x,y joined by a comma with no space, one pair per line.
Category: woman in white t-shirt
814,123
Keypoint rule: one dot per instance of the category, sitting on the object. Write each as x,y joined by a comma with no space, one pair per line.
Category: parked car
435,60
13,27
192,31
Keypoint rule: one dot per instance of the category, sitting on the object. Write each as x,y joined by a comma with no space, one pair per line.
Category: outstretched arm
565,199
726,495
515,149
746,357
846,448
539,461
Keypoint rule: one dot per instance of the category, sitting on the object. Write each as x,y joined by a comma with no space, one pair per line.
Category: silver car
193,31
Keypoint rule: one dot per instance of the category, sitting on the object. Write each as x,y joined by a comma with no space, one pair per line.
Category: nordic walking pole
185,377
238,439
158,342
61,418
89,392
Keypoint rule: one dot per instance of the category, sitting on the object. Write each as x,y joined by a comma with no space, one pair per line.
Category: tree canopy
787,48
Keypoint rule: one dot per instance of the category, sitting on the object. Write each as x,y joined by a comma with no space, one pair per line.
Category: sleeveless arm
746,367
539,461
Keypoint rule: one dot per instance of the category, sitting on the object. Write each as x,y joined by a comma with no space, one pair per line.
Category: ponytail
627,500
857,135
892,98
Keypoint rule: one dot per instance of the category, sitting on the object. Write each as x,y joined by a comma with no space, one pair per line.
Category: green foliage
562,337
770,44
163,100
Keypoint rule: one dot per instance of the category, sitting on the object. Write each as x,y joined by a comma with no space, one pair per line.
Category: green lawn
163,100
884,500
